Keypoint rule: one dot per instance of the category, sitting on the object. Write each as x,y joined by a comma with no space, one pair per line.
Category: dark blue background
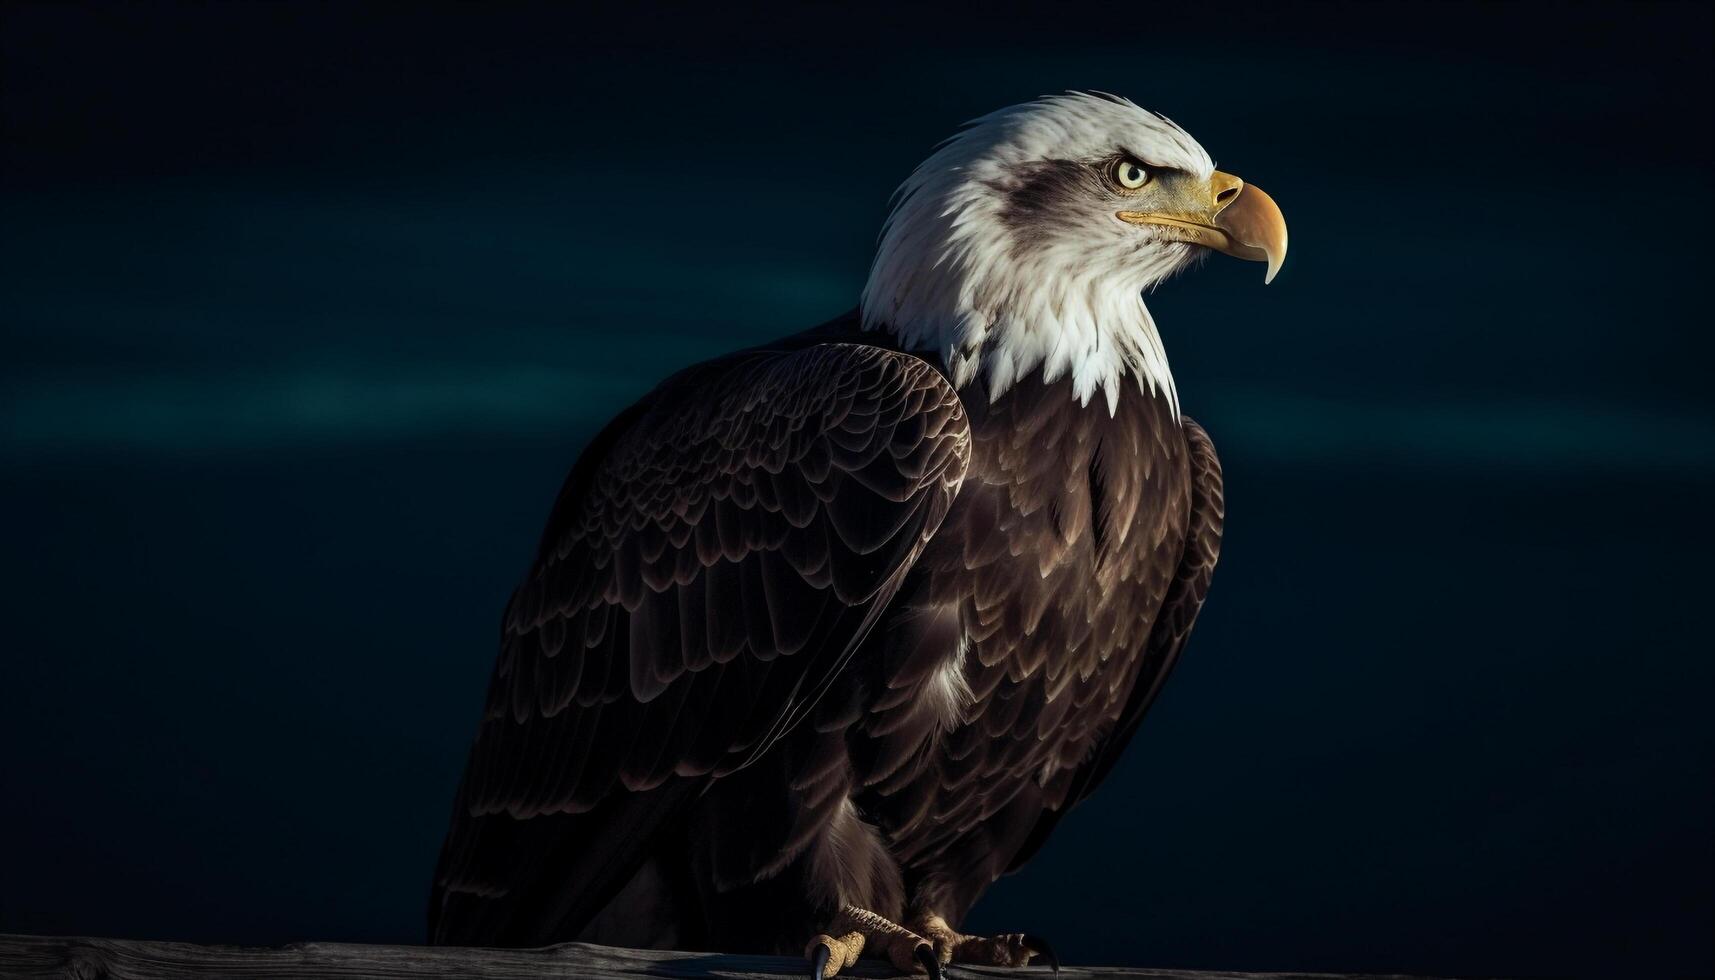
306,310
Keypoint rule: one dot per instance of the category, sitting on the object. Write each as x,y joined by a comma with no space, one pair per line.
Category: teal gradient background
305,310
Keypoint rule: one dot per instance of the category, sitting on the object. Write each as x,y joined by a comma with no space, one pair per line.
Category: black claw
926,955
1039,947
819,962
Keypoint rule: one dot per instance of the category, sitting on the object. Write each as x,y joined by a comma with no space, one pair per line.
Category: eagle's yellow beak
1237,219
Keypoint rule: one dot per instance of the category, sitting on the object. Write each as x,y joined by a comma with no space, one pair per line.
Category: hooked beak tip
1255,228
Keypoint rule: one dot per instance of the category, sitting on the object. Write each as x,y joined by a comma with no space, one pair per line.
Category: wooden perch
124,959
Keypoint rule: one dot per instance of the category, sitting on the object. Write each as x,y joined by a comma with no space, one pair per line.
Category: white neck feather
1075,329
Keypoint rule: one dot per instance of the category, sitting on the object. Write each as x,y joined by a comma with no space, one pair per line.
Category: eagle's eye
1131,174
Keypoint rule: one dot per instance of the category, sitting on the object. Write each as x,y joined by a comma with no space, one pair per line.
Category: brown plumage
825,636
807,629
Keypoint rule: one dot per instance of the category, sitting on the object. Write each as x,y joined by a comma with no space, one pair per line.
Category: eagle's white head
1025,243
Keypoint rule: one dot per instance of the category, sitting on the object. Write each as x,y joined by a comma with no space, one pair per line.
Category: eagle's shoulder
727,430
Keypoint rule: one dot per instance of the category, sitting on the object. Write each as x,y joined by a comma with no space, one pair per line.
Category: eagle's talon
925,954
906,950
829,955
1037,946
1013,949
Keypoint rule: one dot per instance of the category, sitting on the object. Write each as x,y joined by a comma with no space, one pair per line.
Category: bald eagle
825,636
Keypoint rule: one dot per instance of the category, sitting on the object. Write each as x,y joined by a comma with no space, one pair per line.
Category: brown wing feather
1166,638
709,568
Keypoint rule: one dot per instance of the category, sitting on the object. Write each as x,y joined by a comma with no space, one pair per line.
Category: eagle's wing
711,564
1167,636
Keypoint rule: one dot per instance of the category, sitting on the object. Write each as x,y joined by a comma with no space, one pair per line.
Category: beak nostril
1226,196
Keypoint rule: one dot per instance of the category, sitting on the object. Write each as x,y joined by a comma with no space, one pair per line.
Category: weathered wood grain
121,959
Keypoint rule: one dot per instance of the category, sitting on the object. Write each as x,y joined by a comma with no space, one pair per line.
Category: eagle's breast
1048,573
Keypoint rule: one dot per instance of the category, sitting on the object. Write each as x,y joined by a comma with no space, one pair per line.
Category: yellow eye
1131,174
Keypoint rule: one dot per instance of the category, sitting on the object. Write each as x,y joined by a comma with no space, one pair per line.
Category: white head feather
995,260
